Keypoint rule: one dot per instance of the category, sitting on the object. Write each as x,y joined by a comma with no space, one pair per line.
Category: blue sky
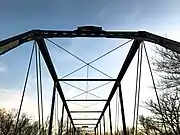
157,16
111,14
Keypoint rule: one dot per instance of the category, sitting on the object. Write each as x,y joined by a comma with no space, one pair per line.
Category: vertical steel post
74,131
110,122
67,124
52,110
122,110
95,131
62,119
104,125
100,128
70,129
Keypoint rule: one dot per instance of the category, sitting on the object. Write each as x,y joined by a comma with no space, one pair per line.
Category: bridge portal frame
39,36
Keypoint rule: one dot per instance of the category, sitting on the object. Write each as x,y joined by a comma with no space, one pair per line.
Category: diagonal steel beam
123,70
13,42
45,53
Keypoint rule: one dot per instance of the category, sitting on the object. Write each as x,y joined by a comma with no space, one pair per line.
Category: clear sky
156,16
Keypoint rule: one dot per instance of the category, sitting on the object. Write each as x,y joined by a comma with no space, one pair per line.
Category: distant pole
70,128
62,119
110,119
97,129
72,131
104,125
67,124
100,127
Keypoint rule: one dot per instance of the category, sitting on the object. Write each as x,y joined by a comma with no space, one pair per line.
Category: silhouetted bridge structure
138,43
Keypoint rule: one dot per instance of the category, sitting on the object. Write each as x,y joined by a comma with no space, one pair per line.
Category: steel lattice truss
40,35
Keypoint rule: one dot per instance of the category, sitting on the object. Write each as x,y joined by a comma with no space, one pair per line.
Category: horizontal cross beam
85,124
79,100
85,111
86,127
87,80
86,119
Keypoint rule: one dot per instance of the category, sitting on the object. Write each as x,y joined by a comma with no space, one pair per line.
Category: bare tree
170,104
167,65
26,125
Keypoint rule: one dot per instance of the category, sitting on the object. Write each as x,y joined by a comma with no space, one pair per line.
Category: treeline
26,125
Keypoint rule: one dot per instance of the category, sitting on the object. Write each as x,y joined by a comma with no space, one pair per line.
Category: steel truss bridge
138,43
